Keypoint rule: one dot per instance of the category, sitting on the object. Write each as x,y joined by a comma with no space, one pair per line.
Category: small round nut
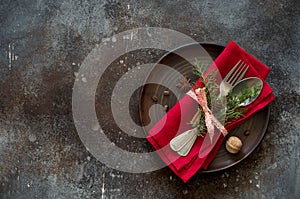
166,93
233,144
154,98
247,132
166,107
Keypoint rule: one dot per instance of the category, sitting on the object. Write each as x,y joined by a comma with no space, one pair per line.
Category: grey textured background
43,43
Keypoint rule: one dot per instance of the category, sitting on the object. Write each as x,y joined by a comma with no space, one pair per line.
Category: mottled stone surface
42,45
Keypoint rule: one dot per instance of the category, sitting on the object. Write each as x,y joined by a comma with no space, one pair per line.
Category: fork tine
231,71
243,73
238,74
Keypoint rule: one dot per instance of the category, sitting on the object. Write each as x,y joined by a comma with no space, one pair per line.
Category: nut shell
154,98
166,107
233,144
166,93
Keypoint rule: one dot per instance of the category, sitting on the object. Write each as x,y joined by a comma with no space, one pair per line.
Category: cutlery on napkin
171,124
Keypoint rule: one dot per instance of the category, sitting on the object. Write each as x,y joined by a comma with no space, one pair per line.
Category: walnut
233,144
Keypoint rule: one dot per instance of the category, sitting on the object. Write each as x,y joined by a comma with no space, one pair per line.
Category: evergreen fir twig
233,109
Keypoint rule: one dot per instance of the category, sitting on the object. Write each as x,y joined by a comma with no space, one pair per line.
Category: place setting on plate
222,113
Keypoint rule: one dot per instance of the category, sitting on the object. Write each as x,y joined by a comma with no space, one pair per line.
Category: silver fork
234,76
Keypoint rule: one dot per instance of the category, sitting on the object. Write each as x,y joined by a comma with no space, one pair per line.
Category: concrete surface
43,44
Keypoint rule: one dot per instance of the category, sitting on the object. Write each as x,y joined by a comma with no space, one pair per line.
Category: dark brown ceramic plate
256,125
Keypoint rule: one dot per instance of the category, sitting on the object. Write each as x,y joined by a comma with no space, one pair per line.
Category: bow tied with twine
210,120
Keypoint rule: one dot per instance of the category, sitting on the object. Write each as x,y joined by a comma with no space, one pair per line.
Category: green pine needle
233,110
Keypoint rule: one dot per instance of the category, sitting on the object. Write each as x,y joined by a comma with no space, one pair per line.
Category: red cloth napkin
177,118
